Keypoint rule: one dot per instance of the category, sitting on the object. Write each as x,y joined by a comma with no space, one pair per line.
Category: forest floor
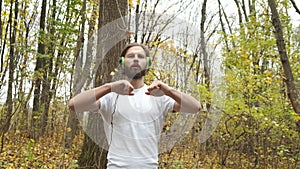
21,152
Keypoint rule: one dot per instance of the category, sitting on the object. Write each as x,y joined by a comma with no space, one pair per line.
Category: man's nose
135,58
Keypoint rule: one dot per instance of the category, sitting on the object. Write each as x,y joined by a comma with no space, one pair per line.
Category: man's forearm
87,100
187,103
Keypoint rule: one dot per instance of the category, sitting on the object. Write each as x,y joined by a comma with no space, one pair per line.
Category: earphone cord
111,122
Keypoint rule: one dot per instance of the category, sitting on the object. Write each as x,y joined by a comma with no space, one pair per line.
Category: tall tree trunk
289,78
12,63
40,63
223,26
48,74
203,46
93,155
239,11
3,40
1,32
72,119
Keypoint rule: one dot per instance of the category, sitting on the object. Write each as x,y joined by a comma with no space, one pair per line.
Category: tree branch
295,6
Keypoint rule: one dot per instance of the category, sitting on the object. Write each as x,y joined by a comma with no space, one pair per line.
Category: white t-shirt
132,126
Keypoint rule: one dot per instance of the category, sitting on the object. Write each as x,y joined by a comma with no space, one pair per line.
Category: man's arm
183,102
88,100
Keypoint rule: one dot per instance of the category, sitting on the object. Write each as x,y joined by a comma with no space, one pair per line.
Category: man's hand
122,87
158,88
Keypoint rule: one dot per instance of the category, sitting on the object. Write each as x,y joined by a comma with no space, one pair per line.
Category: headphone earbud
122,61
148,62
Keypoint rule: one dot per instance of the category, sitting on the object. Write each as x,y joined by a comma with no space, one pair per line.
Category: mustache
135,65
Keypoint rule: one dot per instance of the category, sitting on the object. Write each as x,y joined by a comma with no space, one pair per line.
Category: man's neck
137,83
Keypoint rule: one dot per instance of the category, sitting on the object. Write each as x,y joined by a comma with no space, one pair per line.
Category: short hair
128,46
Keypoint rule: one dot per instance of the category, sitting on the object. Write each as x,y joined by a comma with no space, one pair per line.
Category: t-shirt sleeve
105,104
167,104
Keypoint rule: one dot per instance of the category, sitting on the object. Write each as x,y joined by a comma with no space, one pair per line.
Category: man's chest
137,109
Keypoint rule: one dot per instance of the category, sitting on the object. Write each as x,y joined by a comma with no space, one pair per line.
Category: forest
239,58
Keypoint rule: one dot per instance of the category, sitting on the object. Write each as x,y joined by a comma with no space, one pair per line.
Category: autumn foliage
229,61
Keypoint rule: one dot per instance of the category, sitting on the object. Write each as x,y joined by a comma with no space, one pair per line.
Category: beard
131,74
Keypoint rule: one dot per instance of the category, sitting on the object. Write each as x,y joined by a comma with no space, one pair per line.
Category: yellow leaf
69,129
244,55
297,118
181,50
167,128
130,3
268,80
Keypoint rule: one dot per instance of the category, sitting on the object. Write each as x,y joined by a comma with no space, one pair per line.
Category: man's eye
141,56
130,56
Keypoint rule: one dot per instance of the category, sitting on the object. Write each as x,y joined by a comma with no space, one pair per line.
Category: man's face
135,62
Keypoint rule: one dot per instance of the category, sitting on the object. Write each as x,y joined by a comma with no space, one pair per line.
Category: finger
130,90
131,93
153,88
156,92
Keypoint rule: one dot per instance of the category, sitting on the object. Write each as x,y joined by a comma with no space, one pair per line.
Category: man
133,112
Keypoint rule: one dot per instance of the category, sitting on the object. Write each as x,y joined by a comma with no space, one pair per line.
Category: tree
39,74
292,91
9,104
295,6
12,63
257,109
94,155
73,122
